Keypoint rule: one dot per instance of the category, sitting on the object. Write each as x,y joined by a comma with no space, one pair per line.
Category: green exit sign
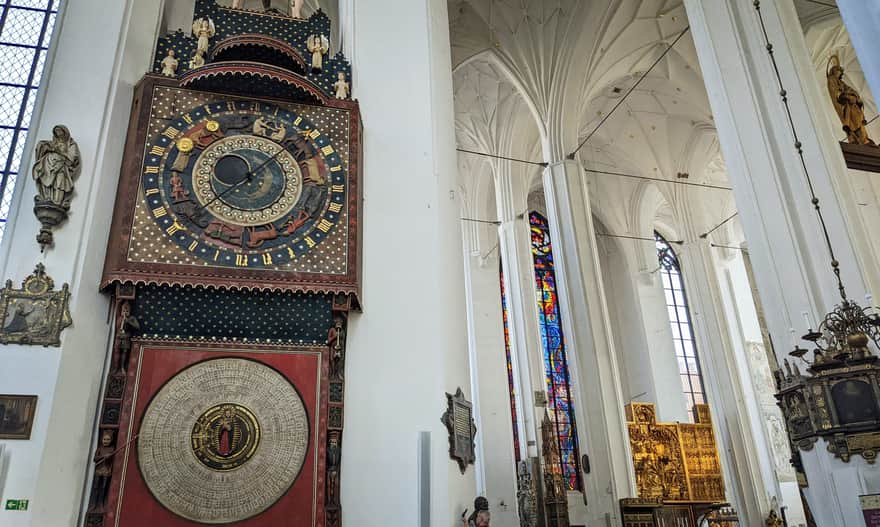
16,505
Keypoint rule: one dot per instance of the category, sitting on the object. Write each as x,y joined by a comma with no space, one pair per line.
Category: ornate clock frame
194,307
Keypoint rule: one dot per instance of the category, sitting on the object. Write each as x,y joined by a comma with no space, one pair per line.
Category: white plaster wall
409,346
92,97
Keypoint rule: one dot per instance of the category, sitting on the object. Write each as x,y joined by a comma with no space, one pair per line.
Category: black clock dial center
231,169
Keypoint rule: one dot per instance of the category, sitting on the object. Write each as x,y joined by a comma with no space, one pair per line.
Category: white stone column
592,362
862,18
410,345
745,460
519,282
99,50
496,457
790,259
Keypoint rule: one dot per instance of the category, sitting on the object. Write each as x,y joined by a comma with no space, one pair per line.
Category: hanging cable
620,174
633,87
720,246
715,228
484,154
606,235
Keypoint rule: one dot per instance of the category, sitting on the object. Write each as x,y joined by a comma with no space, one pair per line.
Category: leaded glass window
25,30
682,328
510,385
559,403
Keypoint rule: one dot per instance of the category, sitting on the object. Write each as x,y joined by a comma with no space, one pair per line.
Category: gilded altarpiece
234,262
674,461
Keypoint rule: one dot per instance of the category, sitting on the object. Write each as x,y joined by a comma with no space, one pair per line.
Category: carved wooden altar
678,471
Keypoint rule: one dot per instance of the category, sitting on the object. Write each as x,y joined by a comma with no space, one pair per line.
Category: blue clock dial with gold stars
244,184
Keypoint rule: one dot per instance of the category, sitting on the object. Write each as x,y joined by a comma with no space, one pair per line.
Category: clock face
244,184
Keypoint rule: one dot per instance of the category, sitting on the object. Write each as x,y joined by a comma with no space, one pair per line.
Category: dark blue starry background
231,22
187,312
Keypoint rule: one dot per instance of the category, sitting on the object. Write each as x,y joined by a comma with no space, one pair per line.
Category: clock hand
247,177
284,148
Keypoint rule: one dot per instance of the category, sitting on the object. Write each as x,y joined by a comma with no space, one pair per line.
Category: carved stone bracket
861,157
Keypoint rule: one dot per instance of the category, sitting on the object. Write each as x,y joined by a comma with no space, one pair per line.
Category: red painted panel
136,506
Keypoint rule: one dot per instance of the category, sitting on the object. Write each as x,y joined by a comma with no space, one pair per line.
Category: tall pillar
791,263
746,465
519,284
862,19
410,345
496,459
592,362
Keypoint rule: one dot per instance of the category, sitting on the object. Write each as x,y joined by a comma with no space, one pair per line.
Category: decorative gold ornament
185,145
36,313
212,125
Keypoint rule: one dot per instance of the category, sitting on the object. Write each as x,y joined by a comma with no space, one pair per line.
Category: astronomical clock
233,263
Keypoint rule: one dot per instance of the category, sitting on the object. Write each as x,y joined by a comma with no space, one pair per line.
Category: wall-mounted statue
169,64
204,30
296,8
103,471
56,168
319,46
848,104
342,86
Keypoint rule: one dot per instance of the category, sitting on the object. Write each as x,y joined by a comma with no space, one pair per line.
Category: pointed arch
680,321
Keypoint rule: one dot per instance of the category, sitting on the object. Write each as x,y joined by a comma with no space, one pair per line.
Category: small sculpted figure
319,46
204,30
169,64
342,86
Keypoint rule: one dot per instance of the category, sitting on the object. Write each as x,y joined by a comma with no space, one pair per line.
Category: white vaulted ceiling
533,78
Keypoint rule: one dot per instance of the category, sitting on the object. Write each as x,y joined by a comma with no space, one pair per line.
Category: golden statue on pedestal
848,104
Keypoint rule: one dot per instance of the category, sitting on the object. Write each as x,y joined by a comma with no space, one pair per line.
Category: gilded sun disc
223,440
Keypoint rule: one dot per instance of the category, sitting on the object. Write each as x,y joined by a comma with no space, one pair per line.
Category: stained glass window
510,384
682,329
25,29
559,402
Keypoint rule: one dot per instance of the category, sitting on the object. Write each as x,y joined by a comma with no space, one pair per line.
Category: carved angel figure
203,29
197,61
169,64
848,104
296,8
57,166
319,46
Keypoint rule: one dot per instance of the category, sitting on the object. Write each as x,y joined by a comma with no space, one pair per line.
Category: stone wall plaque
16,417
459,421
36,313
